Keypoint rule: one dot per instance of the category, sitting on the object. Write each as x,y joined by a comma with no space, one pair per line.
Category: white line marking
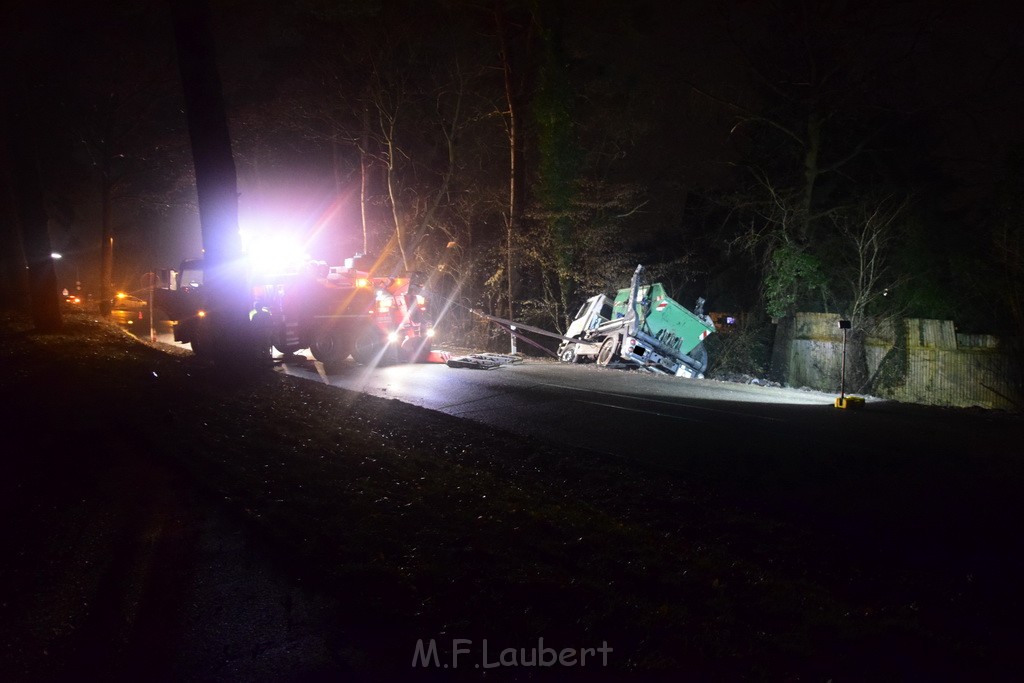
655,400
637,410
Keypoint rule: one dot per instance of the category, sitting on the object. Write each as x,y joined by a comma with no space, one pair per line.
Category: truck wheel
609,351
198,347
199,340
700,354
368,346
262,322
329,347
568,354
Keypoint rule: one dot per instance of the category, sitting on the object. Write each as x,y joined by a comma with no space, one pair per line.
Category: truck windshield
191,277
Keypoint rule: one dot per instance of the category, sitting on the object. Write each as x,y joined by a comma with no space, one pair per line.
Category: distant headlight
393,337
430,332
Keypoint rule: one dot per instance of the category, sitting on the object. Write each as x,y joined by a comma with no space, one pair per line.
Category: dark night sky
959,87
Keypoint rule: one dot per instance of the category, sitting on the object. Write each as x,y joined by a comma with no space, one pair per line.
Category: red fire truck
334,311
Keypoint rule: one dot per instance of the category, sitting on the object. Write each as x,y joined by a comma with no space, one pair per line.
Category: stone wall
941,366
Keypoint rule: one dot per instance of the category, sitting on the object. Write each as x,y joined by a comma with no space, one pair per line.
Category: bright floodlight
272,253
56,256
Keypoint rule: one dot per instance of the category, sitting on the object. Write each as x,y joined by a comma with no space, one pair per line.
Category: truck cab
182,299
595,311
190,276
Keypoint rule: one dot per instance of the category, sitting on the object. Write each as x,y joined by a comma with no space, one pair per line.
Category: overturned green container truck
641,326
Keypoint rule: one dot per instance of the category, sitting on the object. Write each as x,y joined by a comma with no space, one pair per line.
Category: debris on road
483,361
438,356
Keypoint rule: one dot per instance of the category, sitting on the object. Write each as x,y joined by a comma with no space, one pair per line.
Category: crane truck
334,311
640,326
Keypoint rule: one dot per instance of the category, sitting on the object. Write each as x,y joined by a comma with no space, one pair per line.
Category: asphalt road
785,452
925,498
705,424
603,409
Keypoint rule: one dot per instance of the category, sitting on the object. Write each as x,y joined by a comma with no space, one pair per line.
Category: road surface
910,504
582,405
915,480
671,421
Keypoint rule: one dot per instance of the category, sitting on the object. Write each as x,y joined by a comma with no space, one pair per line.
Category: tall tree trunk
106,242
389,142
511,220
337,227
364,169
558,155
13,268
450,133
228,299
30,209
811,171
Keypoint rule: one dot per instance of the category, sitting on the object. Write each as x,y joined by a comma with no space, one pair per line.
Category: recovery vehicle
334,311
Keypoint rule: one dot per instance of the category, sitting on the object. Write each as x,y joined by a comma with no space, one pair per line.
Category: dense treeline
854,159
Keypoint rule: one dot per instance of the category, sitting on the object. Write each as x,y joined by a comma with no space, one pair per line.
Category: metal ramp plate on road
483,361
